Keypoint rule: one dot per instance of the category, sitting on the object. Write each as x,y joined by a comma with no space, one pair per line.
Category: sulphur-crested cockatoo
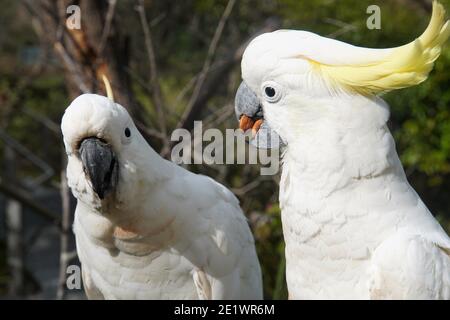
146,228
353,226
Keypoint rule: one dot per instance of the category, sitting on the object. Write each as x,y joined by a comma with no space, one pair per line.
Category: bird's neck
138,196
340,151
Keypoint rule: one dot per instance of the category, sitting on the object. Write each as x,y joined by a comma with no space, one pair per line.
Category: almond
245,123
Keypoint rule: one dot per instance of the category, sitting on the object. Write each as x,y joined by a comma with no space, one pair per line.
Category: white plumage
354,228
163,232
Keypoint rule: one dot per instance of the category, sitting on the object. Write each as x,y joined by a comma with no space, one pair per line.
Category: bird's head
100,139
293,80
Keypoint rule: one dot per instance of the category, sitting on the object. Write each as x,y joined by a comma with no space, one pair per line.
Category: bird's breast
133,241
324,257
130,266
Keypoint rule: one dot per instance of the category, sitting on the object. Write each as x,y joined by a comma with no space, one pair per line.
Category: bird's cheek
79,185
75,176
271,117
278,115
130,181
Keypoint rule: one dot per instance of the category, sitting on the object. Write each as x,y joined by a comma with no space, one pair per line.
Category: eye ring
127,132
272,91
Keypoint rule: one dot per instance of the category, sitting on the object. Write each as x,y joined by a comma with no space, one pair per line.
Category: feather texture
402,67
353,226
358,69
165,233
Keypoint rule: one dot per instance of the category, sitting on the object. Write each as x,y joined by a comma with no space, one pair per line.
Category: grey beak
100,165
247,103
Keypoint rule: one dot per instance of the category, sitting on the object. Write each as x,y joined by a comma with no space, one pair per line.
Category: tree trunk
14,230
64,257
87,53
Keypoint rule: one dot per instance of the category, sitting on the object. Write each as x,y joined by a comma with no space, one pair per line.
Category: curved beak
100,165
250,115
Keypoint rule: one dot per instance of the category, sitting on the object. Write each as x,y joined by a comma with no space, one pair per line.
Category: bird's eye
272,92
127,132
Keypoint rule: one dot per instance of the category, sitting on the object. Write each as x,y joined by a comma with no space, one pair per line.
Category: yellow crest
402,67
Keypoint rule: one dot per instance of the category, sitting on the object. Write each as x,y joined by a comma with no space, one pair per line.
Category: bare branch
344,27
209,57
190,84
221,69
71,66
26,199
108,21
14,222
149,131
218,116
250,186
146,87
47,171
154,79
47,122
65,232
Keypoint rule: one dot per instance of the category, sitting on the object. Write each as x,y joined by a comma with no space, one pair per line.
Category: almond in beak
256,126
245,123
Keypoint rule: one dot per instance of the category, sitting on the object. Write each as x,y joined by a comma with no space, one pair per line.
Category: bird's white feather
166,233
345,201
354,228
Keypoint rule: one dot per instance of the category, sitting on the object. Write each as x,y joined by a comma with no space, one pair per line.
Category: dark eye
127,132
270,92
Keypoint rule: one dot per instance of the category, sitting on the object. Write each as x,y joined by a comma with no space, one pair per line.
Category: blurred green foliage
269,237
420,118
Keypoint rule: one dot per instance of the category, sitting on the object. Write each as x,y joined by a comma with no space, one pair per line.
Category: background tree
171,63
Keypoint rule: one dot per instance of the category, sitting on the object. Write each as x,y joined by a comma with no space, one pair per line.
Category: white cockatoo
146,228
354,228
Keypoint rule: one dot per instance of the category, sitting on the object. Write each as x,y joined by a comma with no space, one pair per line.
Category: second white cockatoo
146,228
354,228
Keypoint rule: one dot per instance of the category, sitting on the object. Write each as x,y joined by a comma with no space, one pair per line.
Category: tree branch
26,199
223,68
154,79
107,27
209,57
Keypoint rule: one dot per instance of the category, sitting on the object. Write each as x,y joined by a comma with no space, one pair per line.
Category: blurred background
170,63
